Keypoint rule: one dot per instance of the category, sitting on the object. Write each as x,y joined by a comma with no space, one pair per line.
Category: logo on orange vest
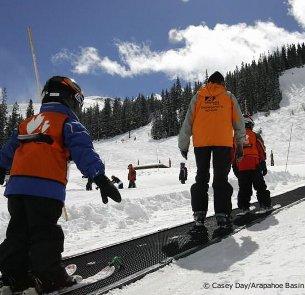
209,98
38,124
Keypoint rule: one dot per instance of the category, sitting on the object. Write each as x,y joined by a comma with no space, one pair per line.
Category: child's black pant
33,241
247,179
132,184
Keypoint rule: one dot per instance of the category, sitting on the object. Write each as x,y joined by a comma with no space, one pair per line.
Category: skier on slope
118,181
251,170
183,173
132,176
38,154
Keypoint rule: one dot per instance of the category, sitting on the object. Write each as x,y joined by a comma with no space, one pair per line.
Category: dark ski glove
184,154
89,186
239,153
264,168
2,175
235,170
107,189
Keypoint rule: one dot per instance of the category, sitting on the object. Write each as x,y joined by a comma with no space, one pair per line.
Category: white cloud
297,10
220,48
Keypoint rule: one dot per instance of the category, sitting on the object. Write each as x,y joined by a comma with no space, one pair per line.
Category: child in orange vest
251,170
37,155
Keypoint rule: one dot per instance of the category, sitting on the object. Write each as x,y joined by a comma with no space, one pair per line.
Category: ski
71,269
115,264
263,210
243,213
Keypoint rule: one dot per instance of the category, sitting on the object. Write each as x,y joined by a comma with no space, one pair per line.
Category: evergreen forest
255,85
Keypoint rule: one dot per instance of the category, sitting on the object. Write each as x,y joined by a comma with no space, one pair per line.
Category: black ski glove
2,175
89,186
239,152
264,167
184,154
107,189
235,170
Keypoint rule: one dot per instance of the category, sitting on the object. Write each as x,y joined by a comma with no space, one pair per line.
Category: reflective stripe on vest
42,159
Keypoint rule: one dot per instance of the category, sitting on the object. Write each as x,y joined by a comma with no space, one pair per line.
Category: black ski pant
247,179
222,188
132,184
33,241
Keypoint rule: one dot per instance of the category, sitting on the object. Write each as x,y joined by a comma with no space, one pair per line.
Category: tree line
255,85
10,120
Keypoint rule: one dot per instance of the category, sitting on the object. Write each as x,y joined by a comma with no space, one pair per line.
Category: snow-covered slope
160,201
287,121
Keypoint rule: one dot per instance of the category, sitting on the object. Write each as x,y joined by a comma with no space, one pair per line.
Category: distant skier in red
132,176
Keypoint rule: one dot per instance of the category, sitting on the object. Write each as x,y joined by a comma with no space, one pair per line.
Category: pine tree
105,123
3,116
158,128
206,77
13,121
186,98
116,118
127,115
292,56
30,109
96,122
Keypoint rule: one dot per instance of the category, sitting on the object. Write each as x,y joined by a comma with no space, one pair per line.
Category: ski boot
199,217
15,285
224,223
49,282
223,220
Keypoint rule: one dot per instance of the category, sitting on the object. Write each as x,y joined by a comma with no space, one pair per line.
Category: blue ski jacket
79,144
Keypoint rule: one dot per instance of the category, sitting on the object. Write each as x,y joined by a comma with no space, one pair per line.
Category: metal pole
65,213
39,89
34,62
288,147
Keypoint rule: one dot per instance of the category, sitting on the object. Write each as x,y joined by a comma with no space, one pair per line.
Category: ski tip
71,269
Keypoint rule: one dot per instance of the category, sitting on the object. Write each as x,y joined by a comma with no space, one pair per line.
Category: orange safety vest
249,144
251,153
41,159
213,117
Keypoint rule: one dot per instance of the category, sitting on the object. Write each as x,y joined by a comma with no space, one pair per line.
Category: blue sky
121,48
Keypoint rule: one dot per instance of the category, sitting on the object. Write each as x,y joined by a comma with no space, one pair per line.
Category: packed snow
266,258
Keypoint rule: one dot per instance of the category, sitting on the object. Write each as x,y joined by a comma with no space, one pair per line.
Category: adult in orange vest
38,154
251,170
212,119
